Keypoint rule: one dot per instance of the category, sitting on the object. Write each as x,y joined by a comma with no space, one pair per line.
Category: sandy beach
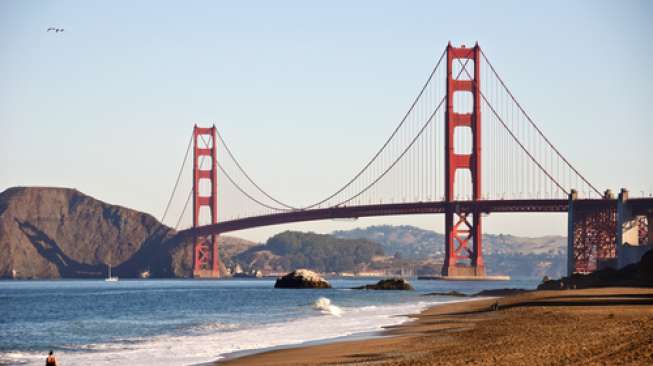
567,327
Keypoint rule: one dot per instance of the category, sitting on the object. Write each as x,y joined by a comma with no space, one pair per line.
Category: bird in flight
56,30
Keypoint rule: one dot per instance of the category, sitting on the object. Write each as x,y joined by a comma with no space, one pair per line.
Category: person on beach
51,361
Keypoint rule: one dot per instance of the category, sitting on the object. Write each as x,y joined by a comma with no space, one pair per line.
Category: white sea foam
209,346
213,327
14,358
325,307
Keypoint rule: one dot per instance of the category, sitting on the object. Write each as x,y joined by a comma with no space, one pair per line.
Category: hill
414,243
62,233
506,254
409,241
291,250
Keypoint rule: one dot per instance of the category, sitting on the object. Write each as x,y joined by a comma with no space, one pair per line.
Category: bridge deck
389,209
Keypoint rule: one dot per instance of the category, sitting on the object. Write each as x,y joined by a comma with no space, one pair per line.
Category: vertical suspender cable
537,128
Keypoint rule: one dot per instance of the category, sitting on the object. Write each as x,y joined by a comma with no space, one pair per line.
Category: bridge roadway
389,209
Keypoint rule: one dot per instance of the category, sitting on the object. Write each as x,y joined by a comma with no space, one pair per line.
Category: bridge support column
571,258
463,249
463,228
592,235
633,234
205,251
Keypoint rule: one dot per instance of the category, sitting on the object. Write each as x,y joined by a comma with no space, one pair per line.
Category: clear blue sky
108,105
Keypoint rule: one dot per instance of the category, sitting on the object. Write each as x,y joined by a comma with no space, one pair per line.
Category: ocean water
186,322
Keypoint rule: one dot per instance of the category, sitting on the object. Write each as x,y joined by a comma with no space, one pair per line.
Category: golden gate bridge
465,148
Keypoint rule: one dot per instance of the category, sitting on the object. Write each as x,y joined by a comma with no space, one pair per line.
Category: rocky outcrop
388,284
645,268
634,275
301,278
61,232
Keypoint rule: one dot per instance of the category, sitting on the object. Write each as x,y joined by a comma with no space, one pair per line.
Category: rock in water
388,284
301,278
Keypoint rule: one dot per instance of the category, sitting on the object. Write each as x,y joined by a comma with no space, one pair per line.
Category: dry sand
602,326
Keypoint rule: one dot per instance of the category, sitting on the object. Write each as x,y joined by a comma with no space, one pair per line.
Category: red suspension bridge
465,148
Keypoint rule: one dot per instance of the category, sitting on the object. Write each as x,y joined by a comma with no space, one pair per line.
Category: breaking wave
325,307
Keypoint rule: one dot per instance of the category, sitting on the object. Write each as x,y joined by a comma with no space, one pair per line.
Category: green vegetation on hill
323,253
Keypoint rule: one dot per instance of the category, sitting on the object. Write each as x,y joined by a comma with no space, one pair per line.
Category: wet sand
568,327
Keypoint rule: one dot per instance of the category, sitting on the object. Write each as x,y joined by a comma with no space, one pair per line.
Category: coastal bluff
48,233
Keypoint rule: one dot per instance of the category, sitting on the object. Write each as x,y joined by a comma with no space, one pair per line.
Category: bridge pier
460,260
613,234
205,257
463,228
205,248
591,234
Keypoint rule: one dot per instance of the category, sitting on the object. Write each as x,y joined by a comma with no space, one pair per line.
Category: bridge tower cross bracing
460,231
205,250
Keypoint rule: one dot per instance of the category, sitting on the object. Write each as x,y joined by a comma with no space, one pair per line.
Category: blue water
136,321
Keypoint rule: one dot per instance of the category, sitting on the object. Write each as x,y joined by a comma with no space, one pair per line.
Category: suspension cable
183,211
190,193
510,131
245,193
348,184
238,187
428,121
222,141
181,170
403,120
521,145
535,125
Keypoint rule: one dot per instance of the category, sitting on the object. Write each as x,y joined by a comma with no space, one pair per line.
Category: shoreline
361,336
382,332
386,331
511,334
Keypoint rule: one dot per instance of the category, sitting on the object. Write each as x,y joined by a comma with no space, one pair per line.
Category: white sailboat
111,279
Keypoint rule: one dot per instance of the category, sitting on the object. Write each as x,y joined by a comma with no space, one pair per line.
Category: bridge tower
463,229
205,250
